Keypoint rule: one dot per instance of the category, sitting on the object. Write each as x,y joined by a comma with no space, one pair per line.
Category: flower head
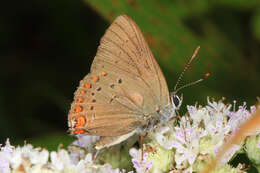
141,165
86,141
184,145
37,160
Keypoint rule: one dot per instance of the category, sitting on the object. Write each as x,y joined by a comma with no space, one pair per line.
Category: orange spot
95,78
80,121
80,131
82,92
103,73
80,100
87,86
78,109
206,75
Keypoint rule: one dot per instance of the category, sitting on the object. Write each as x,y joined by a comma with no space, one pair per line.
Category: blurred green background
47,46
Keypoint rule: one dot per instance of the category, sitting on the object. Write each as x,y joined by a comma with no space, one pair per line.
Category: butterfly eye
176,101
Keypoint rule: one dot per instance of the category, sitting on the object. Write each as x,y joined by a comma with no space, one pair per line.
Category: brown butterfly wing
96,111
124,52
125,83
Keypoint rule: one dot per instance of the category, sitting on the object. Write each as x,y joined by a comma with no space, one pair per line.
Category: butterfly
125,92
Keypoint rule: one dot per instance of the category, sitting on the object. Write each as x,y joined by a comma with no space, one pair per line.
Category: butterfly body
125,92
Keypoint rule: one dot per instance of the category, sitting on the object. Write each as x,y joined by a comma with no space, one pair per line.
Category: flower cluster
183,145
27,159
198,136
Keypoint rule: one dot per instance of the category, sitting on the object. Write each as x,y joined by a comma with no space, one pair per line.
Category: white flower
183,145
5,155
76,153
35,160
201,133
197,115
163,135
186,143
239,117
218,107
60,159
86,141
39,156
141,165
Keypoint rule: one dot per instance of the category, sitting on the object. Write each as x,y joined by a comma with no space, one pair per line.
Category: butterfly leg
141,138
95,155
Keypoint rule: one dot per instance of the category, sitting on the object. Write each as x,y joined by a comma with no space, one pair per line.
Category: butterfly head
176,100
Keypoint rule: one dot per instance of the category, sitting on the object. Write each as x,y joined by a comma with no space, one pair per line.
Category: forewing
124,53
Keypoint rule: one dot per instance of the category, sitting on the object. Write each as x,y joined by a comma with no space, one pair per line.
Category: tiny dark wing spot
94,100
99,89
91,107
110,101
112,86
92,94
119,81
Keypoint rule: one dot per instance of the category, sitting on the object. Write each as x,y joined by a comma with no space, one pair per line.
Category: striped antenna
192,83
186,67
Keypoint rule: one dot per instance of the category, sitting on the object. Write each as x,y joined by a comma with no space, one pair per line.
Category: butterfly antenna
192,83
185,68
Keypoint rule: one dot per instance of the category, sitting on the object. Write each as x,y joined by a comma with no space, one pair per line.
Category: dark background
46,48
